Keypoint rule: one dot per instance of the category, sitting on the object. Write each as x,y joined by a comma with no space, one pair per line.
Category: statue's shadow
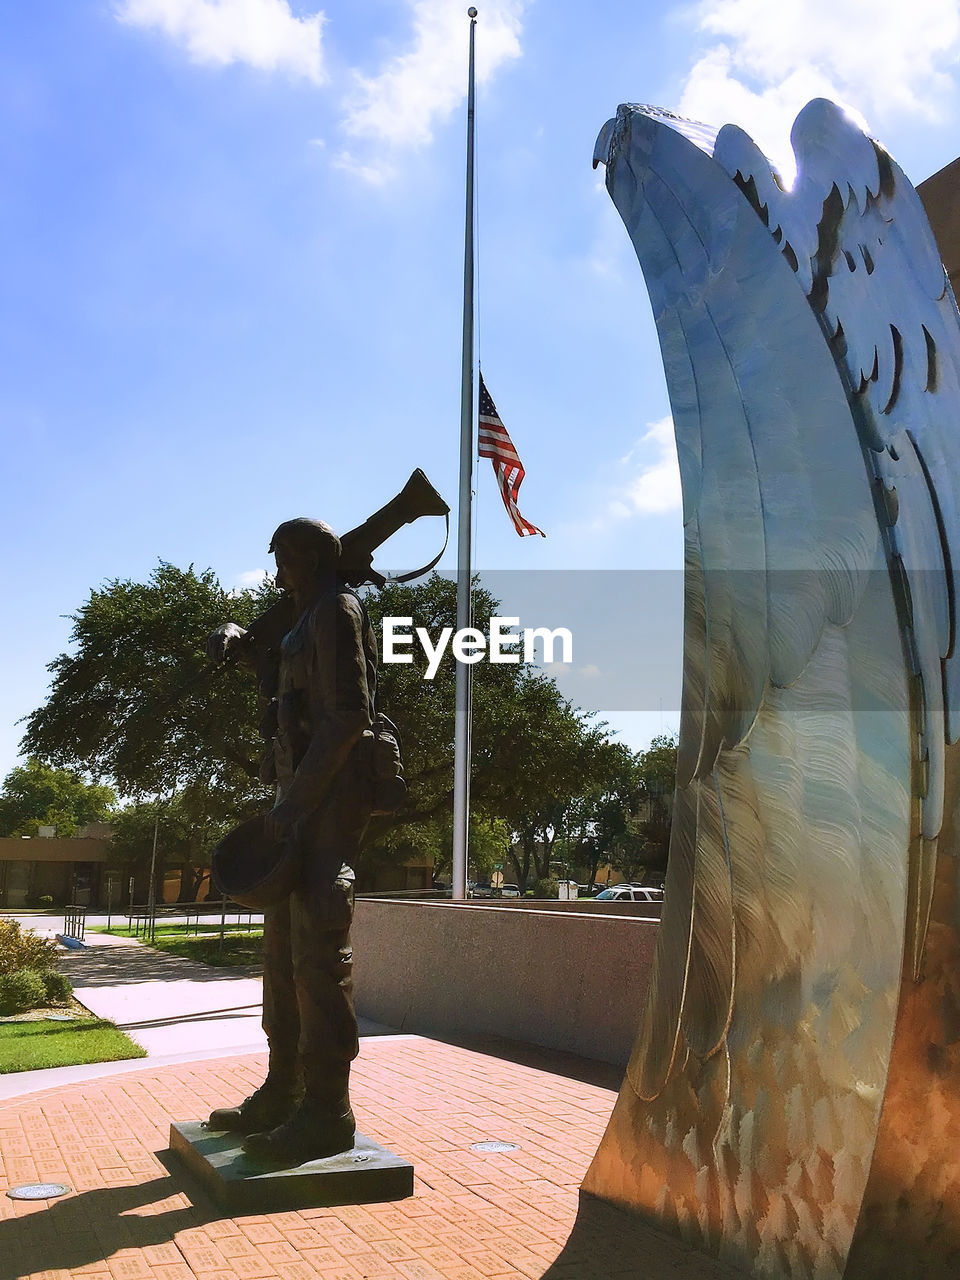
608,1241
91,1226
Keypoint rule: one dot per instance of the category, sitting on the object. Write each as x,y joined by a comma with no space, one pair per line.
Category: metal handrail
74,922
143,919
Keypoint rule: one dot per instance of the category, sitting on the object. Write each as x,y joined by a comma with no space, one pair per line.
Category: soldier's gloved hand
281,822
221,642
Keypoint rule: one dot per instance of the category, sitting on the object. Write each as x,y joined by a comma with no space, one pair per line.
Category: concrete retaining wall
583,906
566,980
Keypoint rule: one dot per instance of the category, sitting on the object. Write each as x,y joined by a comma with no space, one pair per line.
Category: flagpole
461,746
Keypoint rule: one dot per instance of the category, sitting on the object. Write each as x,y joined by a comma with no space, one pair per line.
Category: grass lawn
30,1046
237,949
240,947
207,929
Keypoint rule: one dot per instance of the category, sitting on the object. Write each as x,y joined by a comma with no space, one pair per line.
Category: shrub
46,900
57,985
24,949
21,990
547,888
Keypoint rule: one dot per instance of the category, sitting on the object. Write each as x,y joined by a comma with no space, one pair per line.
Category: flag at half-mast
496,445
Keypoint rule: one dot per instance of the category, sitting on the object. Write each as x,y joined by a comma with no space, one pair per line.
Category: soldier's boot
317,1127
266,1107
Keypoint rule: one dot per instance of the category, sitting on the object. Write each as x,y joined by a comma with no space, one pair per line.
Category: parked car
654,893
510,891
482,889
630,893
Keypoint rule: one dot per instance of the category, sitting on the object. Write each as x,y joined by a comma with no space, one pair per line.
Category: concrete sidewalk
178,1010
165,1003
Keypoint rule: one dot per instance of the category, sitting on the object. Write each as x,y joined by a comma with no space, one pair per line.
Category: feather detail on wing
854,229
815,430
782,540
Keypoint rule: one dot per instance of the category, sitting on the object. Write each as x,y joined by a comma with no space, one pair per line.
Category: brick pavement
134,1215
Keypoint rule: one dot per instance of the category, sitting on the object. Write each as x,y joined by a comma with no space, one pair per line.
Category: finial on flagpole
471,12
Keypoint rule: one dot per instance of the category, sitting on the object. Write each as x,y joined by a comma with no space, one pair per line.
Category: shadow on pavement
608,1241
123,966
200,1015
605,1075
93,1225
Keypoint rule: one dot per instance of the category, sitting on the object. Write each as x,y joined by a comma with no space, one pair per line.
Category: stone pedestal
366,1174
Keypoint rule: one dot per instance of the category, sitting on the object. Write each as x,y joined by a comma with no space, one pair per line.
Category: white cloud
375,172
250,578
646,482
413,92
767,60
655,487
263,33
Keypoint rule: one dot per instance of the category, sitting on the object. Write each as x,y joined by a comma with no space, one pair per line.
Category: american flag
496,445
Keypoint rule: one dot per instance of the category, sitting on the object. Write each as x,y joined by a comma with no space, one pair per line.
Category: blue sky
232,261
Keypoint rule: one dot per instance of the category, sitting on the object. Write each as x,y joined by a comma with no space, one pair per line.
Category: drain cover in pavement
493,1146
39,1191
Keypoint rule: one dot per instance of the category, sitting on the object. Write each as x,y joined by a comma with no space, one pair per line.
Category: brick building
941,199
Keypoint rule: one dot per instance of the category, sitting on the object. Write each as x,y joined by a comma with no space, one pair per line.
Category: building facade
49,866
941,199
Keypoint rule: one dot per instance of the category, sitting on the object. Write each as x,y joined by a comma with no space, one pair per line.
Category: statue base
364,1175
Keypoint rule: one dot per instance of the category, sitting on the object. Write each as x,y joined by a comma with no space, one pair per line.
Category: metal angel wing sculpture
793,1100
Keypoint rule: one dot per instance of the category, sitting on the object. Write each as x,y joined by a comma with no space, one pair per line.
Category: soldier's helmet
305,535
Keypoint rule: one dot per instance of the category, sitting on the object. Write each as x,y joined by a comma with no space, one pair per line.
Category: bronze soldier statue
335,760
323,704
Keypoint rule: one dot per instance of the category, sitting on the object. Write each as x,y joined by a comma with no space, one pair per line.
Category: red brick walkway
472,1217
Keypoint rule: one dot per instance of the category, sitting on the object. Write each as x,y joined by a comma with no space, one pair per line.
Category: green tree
36,795
597,818
135,701
625,820
563,756
658,766
533,752
489,847
188,825
643,841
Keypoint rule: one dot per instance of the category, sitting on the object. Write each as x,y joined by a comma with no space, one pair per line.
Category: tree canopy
634,818
135,702
35,795
188,824
532,751
131,702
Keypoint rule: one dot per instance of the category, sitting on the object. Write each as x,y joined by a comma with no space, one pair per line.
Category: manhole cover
39,1191
493,1146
